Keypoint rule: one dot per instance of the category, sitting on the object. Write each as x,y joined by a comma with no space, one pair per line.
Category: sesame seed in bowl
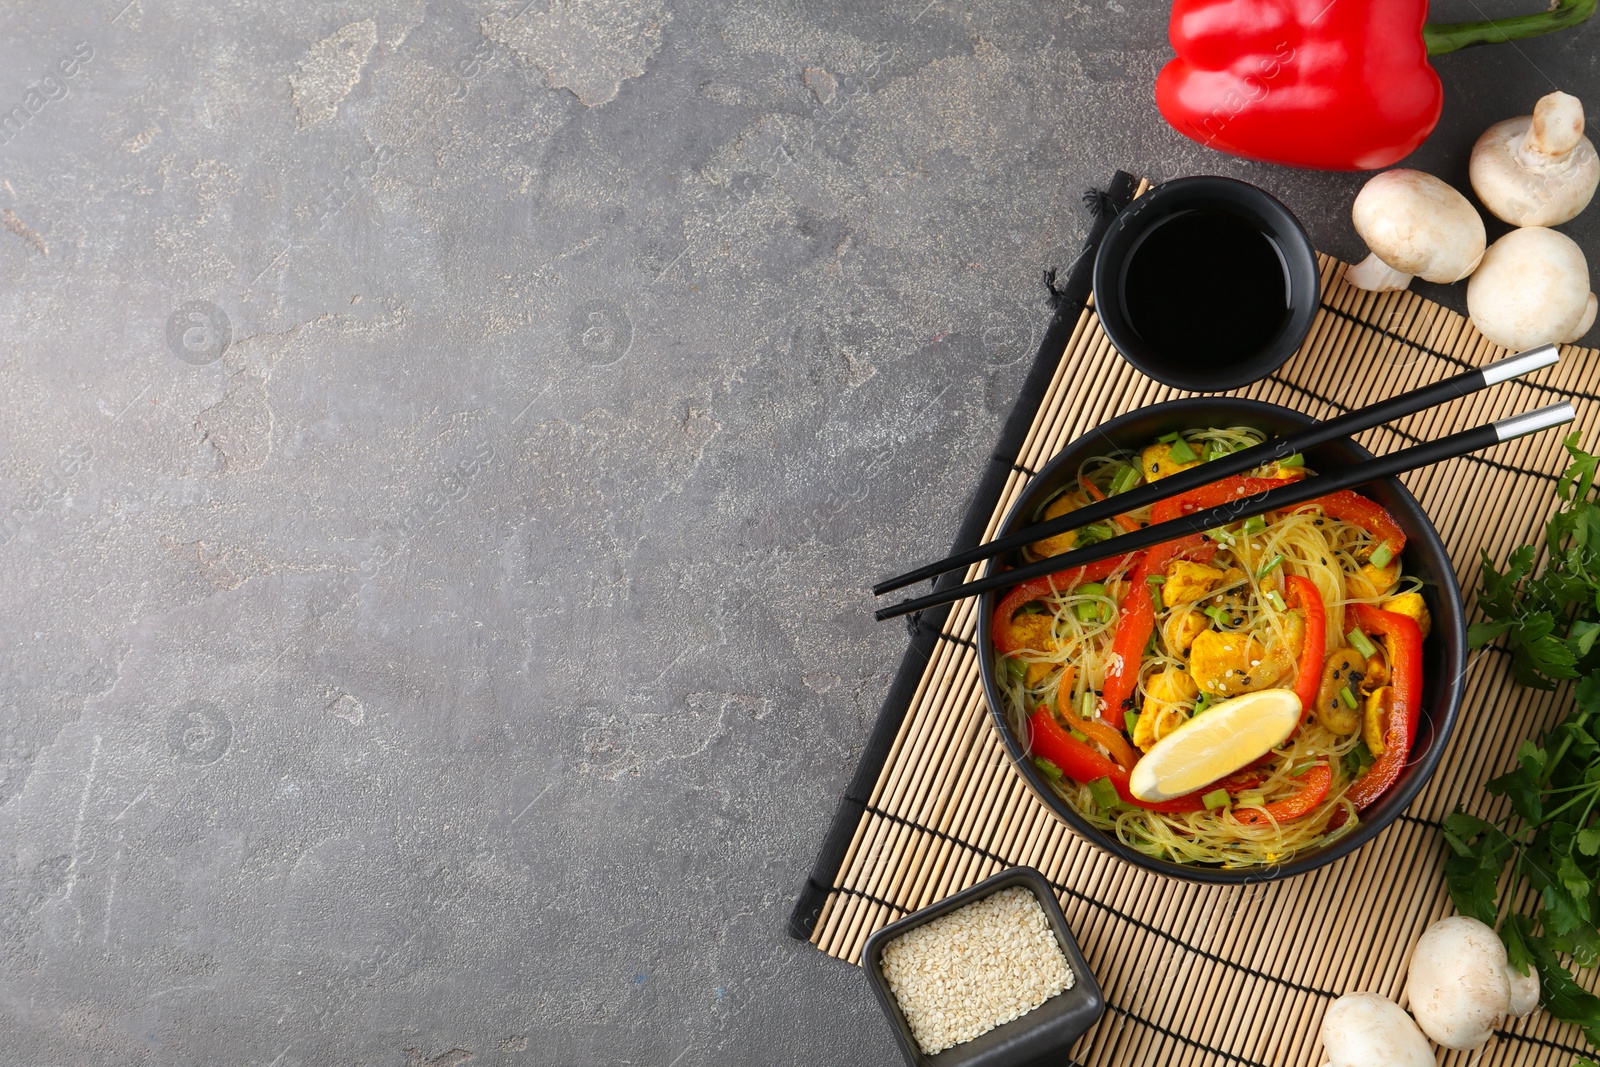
967,972
987,977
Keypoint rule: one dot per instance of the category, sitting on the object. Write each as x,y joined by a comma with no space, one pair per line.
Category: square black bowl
1046,1031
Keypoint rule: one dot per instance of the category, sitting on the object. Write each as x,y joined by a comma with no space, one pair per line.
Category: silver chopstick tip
1534,421
1503,370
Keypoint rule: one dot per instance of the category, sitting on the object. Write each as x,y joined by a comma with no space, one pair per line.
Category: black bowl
1261,210
1044,1033
1444,651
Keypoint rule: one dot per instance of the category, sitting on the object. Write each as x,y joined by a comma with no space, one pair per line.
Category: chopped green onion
1217,798
1255,524
1154,582
1381,555
1105,794
1079,735
1266,568
1126,478
1203,703
1130,722
1302,767
1218,615
1089,705
1015,665
1168,438
1251,800
1048,769
1093,534
1348,697
1093,610
1361,644
1276,601
1182,452
1296,460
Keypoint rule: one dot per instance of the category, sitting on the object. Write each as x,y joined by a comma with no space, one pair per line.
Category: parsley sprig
1551,840
1550,620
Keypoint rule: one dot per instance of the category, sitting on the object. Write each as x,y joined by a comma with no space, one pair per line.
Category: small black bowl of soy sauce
1206,284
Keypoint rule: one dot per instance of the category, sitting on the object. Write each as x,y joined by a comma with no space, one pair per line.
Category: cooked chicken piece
1412,606
1227,664
1188,581
1374,582
1167,696
1181,628
1036,632
1156,462
1061,542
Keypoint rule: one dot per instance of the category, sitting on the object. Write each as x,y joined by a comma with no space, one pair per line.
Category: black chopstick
1344,425
1285,496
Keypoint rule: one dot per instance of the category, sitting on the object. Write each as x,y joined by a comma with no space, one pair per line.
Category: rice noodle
1315,546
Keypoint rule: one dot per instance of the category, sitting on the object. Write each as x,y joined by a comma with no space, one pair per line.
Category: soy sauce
1206,287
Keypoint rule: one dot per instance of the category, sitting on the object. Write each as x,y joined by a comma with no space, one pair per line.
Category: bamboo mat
1198,974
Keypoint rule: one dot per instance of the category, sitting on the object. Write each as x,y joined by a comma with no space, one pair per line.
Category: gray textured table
445,447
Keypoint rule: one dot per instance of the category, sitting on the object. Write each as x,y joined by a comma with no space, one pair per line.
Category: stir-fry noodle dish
1228,698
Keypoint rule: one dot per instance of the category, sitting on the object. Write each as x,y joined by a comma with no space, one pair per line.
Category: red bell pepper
1104,734
1350,506
1237,487
1320,84
1242,781
1405,678
1083,764
1136,620
1005,641
1317,779
1303,595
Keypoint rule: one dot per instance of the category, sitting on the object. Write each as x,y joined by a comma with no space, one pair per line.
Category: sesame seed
965,973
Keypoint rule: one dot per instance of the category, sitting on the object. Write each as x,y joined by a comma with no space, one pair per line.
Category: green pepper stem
1454,36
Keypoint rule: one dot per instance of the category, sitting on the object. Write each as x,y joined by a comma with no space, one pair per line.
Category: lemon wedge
1220,740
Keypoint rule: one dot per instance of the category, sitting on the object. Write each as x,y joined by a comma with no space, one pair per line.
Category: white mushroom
1532,289
1524,990
1367,1030
1460,984
1415,225
1537,170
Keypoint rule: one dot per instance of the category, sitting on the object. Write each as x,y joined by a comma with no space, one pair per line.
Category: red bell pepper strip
1309,83
1237,487
1247,779
1005,641
1095,730
1304,596
1350,506
1136,620
1317,779
1405,678
1083,764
